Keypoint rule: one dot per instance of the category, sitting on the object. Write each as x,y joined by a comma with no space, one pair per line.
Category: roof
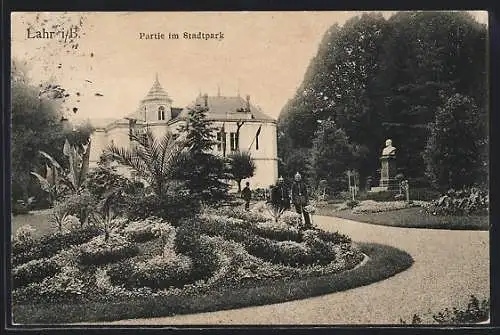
228,108
157,92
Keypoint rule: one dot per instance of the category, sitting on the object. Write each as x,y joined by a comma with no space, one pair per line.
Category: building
230,116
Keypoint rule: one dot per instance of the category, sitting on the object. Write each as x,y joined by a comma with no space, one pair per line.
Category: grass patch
39,221
384,262
414,217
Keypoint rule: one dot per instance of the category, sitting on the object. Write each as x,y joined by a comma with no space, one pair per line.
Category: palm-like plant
153,159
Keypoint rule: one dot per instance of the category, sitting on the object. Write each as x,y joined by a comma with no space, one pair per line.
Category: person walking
246,194
280,196
300,198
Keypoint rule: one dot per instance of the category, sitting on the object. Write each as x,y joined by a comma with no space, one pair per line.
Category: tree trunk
239,185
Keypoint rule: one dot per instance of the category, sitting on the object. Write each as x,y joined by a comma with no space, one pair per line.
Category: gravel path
449,266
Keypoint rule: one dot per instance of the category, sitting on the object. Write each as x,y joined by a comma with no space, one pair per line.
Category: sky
262,54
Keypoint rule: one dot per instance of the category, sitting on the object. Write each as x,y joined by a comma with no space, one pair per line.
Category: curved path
449,266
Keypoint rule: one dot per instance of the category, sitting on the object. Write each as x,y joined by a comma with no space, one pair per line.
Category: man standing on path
280,196
300,198
246,194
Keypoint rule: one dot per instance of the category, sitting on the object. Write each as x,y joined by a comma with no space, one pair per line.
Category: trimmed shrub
162,273
49,245
188,241
65,285
334,237
33,272
98,251
173,206
140,231
277,231
121,272
321,252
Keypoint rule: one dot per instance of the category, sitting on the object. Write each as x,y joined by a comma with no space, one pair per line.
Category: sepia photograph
250,168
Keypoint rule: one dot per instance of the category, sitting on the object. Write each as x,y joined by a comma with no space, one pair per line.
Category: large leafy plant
57,180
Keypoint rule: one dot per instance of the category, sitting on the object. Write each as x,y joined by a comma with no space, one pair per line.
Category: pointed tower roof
157,92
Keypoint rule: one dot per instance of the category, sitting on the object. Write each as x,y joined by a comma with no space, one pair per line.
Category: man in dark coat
246,194
300,198
280,196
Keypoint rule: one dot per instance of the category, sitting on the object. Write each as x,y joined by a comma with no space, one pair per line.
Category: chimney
248,102
205,97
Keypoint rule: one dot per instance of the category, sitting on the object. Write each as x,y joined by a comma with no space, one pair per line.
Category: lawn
38,220
414,217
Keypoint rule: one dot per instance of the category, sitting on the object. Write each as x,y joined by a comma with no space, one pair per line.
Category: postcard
250,168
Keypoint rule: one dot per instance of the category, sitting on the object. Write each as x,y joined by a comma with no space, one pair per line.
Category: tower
156,105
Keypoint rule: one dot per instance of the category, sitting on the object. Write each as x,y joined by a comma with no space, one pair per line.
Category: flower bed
205,254
370,206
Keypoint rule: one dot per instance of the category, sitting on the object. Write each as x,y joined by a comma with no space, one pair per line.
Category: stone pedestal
388,172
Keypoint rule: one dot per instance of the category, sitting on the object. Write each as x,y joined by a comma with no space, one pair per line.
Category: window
234,141
161,113
221,139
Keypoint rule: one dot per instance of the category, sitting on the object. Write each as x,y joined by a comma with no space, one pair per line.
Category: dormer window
161,113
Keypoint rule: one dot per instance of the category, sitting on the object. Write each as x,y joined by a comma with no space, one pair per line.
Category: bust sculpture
389,150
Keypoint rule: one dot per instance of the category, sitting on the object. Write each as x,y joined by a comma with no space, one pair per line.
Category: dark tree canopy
382,78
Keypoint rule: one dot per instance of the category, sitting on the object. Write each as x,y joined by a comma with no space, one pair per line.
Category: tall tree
36,125
380,79
456,152
333,155
204,173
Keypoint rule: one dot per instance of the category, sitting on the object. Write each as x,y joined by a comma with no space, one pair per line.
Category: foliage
33,271
56,180
65,285
35,126
199,130
260,194
370,206
160,272
332,155
456,153
241,166
48,245
352,203
376,196
102,251
104,178
204,175
476,311
188,241
292,219
24,234
174,204
378,78
152,158
140,231
278,231
467,201
79,204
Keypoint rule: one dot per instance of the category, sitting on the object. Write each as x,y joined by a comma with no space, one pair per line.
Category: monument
388,167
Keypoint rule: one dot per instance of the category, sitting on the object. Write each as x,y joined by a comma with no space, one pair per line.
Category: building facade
240,126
